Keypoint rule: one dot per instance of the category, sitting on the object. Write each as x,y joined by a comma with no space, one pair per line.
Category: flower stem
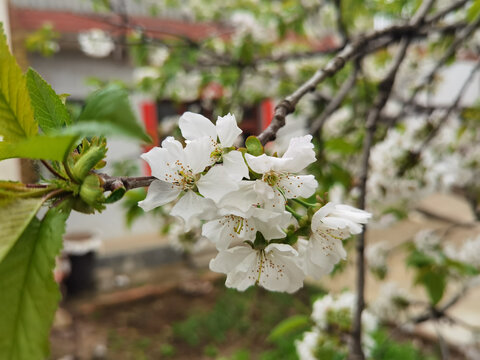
293,212
304,203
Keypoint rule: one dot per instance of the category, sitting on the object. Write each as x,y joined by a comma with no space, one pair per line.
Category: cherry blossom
330,225
273,268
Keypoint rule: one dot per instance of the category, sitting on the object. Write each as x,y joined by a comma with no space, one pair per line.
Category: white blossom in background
391,302
468,252
330,225
427,241
273,268
158,55
96,43
246,24
376,255
307,346
343,305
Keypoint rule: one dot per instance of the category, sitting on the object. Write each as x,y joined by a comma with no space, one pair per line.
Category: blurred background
136,285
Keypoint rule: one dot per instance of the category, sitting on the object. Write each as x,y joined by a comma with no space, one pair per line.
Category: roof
29,19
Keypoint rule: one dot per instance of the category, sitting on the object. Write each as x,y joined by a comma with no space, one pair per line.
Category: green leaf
254,146
434,281
30,295
292,325
16,115
473,11
108,112
341,146
50,111
38,147
115,195
15,214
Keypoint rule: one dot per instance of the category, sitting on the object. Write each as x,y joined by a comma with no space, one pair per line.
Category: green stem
304,203
293,212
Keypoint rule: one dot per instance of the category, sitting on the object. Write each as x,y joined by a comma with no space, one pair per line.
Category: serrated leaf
290,326
30,295
38,147
254,146
108,112
50,111
15,214
16,115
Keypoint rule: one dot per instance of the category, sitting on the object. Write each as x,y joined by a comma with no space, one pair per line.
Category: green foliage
43,40
15,214
387,348
108,112
50,111
292,325
473,10
29,293
254,146
434,279
38,147
91,154
16,115
91,192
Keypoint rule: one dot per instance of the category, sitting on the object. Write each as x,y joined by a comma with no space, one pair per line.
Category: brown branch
336,101
350,51
111,183
385,89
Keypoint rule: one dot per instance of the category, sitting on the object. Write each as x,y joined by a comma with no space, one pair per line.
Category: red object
266,112
148,109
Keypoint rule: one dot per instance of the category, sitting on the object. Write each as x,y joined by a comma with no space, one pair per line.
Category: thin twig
114,182
385,89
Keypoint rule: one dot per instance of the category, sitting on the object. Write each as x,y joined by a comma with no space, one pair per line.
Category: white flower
390,302
376,255
159,55
279,181
179,171
308,345
426,241
273,268
341,303
96,43
240,227
468,253
331,224
194,126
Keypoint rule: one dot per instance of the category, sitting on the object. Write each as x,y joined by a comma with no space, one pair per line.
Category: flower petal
300,154
159,193
194,126
280,271
198,153
238,263
242,199
191,206
294,186
235,166
216,184
264,163
227,130
160,161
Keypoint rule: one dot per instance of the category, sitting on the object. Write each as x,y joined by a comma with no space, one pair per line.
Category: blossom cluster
244,200
332,316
